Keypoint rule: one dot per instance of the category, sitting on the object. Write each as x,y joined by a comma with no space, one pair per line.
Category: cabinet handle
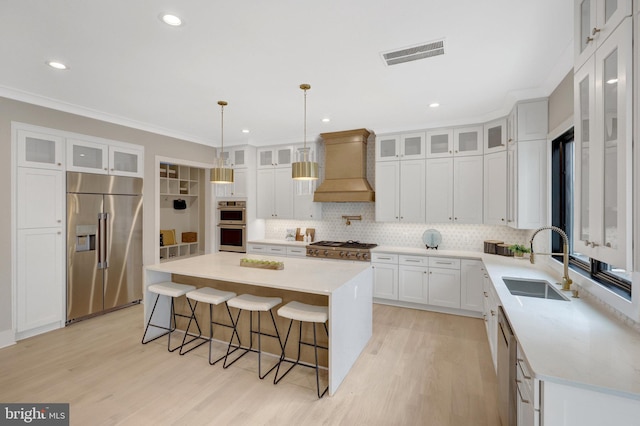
502,219
455,218
594,244
589,39
412,260
486,294
608,245
59,164
493,313
59,221
595,31
444,263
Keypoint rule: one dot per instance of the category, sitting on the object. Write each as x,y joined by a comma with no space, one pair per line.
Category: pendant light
305,169
220,173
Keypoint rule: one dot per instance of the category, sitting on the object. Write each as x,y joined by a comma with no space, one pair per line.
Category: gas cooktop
342,250
344,244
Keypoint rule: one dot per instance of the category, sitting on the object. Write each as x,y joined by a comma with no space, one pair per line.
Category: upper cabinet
280,156
40,150
495,136
468,140
239,159
410,146
103,158
603,152
594,22
440,143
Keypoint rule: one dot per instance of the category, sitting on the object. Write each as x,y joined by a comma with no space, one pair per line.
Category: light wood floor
420,368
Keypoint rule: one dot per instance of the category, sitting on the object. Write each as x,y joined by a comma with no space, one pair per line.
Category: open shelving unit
179,182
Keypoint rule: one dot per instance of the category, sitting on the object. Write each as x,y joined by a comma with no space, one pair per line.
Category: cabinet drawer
277,250
524,376
384,258
296,251
444,262
414,260
257,248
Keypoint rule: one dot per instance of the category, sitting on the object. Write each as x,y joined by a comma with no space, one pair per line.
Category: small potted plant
519,250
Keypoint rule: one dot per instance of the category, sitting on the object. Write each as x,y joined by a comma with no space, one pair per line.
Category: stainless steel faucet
566,281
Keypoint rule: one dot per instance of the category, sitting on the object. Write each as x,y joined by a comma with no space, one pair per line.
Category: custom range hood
345,163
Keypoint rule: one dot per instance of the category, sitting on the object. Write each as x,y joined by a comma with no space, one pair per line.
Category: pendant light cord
305,118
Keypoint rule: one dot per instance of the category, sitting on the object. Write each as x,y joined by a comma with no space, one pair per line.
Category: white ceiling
128,67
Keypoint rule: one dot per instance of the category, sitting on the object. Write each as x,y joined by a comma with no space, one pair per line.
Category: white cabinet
395,147
495,136
594,22
304,208
283,250
531,120
454,190
103,158
444,282
40,150
241,160
603,136
471,285
275,193
40,280
237,157
40,198
439,143
467,189
385,275
413,279
400,191
279,156
468,140
527,184
495,188
490,315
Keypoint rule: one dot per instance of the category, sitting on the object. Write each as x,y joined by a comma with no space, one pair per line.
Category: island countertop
299,274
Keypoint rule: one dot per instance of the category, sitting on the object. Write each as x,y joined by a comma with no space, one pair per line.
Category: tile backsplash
334,227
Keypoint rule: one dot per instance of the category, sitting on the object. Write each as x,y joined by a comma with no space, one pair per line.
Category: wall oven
232,226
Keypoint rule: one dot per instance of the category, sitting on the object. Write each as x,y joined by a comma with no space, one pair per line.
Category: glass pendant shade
304,169
219,173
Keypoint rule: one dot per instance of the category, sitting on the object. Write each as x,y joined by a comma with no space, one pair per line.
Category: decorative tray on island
262,264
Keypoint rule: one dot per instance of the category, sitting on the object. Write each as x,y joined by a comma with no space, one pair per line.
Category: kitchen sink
533,288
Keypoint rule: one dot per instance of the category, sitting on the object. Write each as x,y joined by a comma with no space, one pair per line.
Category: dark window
562,185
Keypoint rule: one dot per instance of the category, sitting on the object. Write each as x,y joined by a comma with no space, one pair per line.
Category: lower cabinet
40,284
430,281
385,275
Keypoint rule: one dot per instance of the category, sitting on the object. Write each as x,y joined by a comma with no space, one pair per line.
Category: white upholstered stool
171,290
251,303
302,312
212,297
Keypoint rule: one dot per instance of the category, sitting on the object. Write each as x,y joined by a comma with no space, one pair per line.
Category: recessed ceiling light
57,65
612,81
326,120
170,19
245,130
434,105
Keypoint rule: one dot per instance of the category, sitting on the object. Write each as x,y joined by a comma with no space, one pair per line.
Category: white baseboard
39,330
7,338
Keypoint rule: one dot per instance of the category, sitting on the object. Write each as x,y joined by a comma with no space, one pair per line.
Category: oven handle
220,225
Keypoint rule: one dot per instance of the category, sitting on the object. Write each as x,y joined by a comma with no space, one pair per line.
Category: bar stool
212,297
302,312
172,290
251,303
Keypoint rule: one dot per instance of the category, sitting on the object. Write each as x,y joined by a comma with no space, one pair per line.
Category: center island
346,287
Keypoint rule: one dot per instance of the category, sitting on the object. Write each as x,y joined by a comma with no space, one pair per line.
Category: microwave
232,212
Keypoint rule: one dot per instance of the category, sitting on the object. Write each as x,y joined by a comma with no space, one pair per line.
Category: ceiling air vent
422,51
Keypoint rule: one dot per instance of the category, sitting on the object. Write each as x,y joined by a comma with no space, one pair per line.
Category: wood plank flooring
420,368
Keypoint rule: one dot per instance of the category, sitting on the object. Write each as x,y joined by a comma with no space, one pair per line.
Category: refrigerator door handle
105,254
101,238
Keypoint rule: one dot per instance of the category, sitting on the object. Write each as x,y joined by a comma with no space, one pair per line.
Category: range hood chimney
345,162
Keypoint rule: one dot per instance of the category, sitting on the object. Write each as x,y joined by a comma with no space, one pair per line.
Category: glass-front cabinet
596,21
40,150
495,136
103,158
468,140
409,146
440,143
603,132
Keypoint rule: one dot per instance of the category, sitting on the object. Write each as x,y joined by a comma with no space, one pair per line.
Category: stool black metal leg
315,347
150,324
186,333
235,331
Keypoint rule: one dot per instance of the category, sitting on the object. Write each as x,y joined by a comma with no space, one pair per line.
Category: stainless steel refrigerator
104,243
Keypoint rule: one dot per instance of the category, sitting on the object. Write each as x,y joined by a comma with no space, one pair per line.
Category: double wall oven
232,226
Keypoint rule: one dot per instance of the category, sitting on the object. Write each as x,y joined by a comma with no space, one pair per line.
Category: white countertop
575,342
299,274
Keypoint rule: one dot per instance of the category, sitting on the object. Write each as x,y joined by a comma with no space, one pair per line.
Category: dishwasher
507,345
